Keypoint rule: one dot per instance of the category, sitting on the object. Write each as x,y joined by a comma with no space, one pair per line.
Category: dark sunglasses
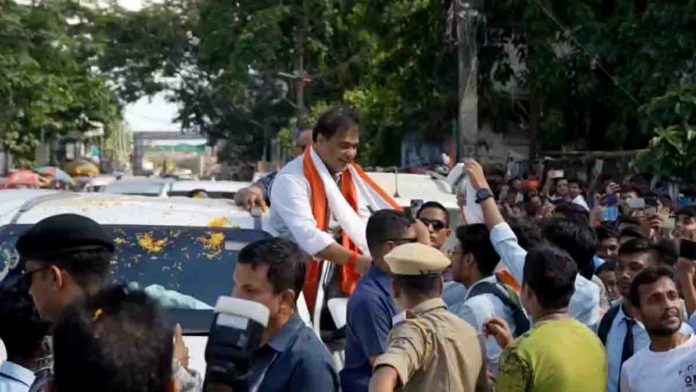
436,224
27,275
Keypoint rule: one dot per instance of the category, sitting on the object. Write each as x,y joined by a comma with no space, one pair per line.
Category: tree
672,150
47,87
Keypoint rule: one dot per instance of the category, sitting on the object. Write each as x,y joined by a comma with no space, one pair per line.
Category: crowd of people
570,290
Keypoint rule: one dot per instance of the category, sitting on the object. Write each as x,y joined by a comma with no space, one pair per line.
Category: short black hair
285,260
631,232
21,327
689,211
385,225
607,266
337,119
527,232
551,273
476,239
419,287
648,276
606,231
572,211
439,206
575,180
578,239
89,268
637,245
627,220
119,340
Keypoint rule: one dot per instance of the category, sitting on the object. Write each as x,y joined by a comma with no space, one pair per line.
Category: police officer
429,348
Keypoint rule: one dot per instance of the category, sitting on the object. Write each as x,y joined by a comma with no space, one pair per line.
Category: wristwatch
483,194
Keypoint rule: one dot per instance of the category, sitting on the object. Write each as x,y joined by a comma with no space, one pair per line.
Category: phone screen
687,249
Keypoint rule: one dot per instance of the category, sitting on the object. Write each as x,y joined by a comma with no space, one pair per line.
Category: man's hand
181,352
499,329
686,268
612,188
250,197
475,173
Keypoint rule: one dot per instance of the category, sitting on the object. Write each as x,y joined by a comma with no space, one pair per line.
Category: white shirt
291,209
584,304
614,345
668,371
479,309
580,200
15,378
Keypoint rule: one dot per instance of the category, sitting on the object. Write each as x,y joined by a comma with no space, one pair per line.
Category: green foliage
672,151
581,68
47,86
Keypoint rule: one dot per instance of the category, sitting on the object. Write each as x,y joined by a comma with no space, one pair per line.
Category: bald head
302,141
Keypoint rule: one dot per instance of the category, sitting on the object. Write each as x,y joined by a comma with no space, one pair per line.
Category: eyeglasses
400,241
27,275
437,225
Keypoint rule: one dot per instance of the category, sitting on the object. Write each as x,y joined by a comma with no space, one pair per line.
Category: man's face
685,226
609,280
608,249
574,190
629,266
339,151
436,222
462,264
660,307
43,290
409,236
562,188
304,140
252,284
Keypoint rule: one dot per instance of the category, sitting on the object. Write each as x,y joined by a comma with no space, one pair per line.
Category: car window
184,267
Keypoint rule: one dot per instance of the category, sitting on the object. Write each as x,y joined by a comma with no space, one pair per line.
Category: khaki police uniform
431,349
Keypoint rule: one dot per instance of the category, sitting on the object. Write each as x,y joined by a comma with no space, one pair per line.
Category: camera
235,335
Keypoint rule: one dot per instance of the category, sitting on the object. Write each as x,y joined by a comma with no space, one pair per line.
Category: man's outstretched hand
474,171
250,197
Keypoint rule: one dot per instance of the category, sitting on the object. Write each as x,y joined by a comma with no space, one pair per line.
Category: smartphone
556,174
637,204
651,205
610,214
687,249
612,200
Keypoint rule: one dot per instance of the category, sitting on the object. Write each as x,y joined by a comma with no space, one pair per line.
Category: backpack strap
522,323
607,321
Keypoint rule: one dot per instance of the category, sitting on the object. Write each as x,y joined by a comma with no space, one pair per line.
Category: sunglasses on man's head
437,225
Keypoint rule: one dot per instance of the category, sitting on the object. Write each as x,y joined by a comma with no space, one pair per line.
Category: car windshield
185,268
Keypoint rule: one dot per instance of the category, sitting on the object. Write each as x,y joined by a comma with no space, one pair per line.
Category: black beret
63,233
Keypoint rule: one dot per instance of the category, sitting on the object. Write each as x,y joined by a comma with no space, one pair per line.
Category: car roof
137,186
113,209
209,186
416,187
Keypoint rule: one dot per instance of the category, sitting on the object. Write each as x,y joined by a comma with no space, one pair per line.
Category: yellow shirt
558,355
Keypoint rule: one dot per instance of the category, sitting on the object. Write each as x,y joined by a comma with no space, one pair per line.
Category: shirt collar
382,278
487,279
282,339
18,373
428,305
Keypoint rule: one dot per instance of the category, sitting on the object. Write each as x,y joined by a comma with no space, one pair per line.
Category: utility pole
467,17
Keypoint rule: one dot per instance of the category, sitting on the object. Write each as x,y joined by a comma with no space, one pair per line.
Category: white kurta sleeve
291,201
